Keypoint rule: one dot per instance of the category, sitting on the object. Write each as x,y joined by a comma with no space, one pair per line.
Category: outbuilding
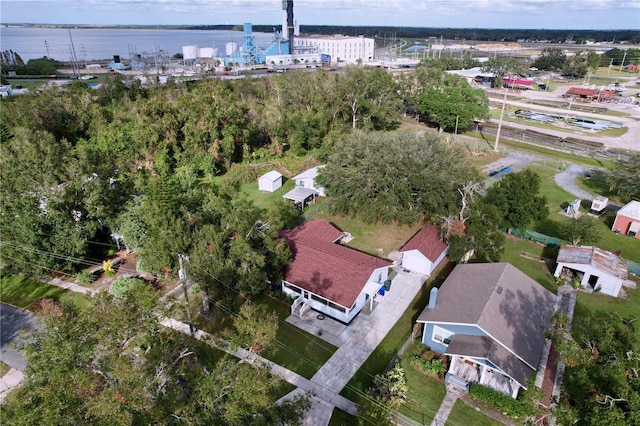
270,182
594,268
424,251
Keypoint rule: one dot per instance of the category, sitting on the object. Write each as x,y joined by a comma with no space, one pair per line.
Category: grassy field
296,349
557,199
378,239
265,199
342,418
23,292
462,414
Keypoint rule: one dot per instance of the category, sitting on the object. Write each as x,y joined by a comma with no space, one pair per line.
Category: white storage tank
207,52
190,52
230,48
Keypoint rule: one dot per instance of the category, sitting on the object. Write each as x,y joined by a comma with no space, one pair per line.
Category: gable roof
273,175
507,304
428,242
601,260
485,347
309,174
631,209
332,271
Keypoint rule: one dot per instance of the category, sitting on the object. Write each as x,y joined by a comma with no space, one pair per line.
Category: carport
301,197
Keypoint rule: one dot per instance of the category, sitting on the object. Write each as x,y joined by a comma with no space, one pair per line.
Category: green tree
254,328
501,67
583,229
623,180
550,59
366,176
517,198
581,63
452,103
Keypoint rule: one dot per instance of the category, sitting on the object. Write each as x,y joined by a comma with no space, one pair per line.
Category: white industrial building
341,49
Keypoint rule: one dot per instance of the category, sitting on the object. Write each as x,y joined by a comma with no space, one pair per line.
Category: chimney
433,297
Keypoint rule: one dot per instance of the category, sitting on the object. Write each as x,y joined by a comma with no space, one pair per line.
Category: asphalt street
12,322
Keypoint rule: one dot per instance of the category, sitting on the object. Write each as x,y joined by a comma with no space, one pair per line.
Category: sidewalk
71,286
9,381
360,339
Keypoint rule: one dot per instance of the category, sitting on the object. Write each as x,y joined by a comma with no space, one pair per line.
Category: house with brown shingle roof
490,319
328,277
424,251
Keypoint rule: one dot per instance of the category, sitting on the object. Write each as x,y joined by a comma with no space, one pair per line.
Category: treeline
469,34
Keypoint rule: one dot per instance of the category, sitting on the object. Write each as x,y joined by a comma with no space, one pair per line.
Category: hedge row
505,404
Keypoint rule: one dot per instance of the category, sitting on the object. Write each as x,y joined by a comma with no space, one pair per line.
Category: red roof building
327,276
424,251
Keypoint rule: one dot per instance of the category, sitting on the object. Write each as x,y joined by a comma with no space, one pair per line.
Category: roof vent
499,290
433,296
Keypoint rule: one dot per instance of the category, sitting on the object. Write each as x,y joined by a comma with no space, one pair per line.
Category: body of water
96,44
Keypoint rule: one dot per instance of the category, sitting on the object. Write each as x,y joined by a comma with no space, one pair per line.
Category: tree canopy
397,176
112,363
517,198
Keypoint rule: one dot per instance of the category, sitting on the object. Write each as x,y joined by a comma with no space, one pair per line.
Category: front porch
473,372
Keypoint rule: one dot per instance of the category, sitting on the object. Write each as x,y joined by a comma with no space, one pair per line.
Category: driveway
12,322
566,180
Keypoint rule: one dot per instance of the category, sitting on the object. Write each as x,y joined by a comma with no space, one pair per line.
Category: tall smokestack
287,22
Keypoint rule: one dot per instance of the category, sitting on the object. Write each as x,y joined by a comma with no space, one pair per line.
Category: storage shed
270,182
424,251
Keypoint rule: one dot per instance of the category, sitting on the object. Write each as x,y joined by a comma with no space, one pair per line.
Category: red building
628,220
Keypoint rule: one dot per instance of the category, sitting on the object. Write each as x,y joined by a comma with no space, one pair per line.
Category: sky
523,14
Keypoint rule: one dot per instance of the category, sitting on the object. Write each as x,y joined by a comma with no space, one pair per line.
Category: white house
328,277
424,251
595,268
270,182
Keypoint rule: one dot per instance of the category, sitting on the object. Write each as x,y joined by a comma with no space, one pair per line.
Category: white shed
270,182
424,251
594,268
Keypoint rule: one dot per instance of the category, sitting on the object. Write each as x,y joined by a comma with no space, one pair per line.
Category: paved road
12,322
566,179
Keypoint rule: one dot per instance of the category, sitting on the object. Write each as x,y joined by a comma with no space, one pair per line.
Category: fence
632,267
537,237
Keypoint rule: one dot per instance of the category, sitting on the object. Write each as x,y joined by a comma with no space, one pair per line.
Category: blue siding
473,330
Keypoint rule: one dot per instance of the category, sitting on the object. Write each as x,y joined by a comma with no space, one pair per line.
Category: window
441,335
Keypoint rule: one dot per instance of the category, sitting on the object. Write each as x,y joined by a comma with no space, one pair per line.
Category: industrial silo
207,52
230,48
190,52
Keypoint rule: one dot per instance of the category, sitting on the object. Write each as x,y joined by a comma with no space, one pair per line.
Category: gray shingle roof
508,305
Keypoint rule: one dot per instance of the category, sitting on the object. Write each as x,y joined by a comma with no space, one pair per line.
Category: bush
434,366
505,404
195,289
122,287
85,278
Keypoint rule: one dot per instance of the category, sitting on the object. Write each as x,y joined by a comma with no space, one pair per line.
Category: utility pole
622,63
182,275
504,102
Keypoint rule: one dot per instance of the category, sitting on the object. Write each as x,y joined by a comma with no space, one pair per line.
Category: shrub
195,289
122,287
434,366
505,404
85,278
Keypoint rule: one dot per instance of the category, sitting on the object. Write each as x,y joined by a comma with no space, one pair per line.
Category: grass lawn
462,414
4,369
534,269
425,392
23,292
386,350
377,239
557,198
342,418
265,199
595,304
